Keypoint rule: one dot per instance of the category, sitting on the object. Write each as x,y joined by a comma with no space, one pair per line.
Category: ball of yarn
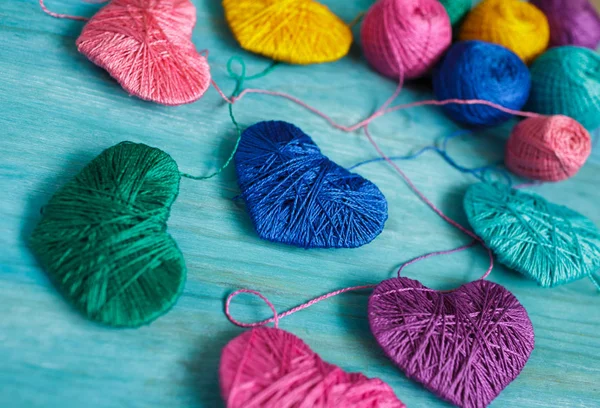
103,240
515,24
572,22
271,368
296,32
405,38
465,345
456,9
548,148
481,70
566,81
549,243
297,196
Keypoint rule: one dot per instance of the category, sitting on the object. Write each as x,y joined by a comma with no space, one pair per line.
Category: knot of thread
465,345
103,240
405,38
269,367
292,31
572,22
566,81
548,148
549,243
297,196
481,70
146,46
456,9
514,24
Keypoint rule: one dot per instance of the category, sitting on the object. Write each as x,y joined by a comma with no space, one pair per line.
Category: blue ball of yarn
481,70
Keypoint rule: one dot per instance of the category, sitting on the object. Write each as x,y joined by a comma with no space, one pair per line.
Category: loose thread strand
59,15
429,203
436,253
240,78
478,172
276,317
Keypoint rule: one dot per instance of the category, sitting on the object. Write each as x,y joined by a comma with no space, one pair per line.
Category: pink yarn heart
465,346
271,368
146,46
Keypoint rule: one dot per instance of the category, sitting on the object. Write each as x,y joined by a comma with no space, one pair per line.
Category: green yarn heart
103,240
546,242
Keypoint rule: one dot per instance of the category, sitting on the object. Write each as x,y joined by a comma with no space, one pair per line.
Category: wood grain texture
58,111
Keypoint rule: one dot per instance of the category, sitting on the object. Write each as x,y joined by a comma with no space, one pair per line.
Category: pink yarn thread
405,37
59,15
550,148
277,316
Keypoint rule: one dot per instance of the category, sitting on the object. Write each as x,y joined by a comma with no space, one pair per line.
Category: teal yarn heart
549,243
297,196
102,238
566,81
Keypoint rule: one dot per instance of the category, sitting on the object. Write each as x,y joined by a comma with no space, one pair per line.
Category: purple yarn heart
465,346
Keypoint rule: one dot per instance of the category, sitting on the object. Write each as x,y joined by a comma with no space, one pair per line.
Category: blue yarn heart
549,243
297,196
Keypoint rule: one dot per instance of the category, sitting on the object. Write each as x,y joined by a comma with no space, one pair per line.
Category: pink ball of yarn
405,38
548,148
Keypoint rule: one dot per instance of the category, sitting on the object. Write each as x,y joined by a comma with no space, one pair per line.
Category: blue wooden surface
58,111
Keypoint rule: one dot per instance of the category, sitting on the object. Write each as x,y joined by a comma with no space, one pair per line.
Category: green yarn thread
239,86
549,243
566,81
456,9
103,241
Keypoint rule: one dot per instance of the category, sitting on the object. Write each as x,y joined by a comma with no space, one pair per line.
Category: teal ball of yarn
102,238
456,9
566,81
549,243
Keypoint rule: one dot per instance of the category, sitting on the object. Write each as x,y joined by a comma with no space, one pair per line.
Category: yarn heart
295,195
146,46
103,240
271,368
293,31
465,346
549,243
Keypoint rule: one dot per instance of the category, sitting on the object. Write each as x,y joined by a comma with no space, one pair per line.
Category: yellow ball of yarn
514,24
292,31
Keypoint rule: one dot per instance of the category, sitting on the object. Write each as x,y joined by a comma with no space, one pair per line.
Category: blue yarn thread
297,196
482,173
481,70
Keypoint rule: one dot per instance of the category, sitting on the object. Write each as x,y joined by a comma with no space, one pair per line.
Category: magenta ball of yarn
548,148
405,38
572,22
